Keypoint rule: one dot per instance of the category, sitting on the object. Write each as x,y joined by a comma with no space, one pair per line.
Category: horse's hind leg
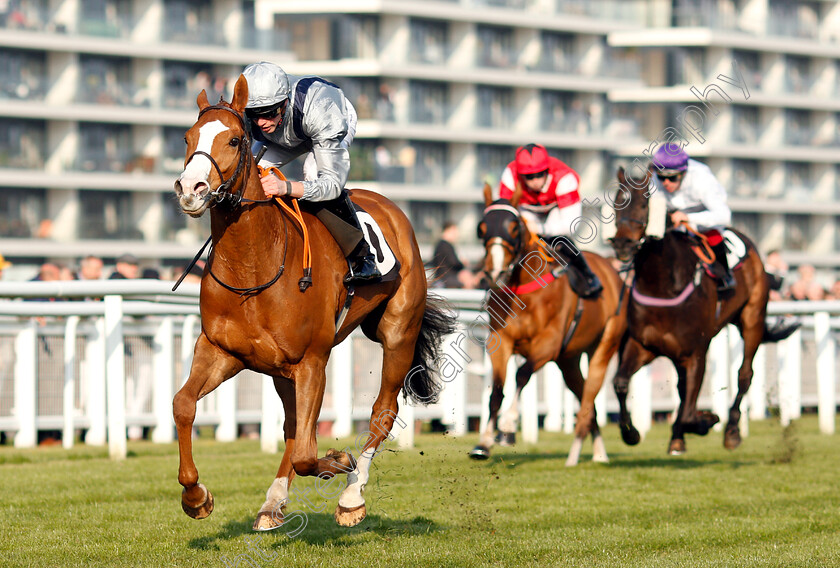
690,372
751,326
210,368
632,357
270,515
398,353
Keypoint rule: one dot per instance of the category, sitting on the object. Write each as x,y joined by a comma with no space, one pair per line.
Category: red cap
531,159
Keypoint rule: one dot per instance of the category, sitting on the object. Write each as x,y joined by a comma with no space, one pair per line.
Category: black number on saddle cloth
374,242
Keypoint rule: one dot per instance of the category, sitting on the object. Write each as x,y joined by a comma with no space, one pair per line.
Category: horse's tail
422,383
782,329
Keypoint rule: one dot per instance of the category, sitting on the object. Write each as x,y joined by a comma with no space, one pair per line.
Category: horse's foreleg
752,331
690,372
270,515
632,357
509,419
498,360
210,367
397,359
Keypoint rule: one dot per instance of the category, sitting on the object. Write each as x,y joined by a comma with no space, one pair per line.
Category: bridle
513,245
223,194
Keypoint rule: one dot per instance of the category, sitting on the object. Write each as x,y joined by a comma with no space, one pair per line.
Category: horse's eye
234,142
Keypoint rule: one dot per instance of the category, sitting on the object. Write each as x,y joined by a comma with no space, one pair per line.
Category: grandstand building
96,96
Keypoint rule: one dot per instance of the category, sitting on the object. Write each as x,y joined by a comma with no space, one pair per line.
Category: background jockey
550,203
694,195
309,115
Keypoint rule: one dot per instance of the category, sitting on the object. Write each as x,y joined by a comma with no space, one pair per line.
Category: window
191,21
563,112
22,74
22,143
745,124
22,210
429,102
431,163
106,18
104,147
495,47
749,64
355,37
798,130
686,66
180,227
309,36
557,52
105,80
362,92
495,107
746,178
492,161
182,82
427,218
796,232
747,223
798,78
106,215
429,41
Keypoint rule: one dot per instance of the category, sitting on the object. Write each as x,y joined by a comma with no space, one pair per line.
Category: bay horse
255,315
534,312
675,311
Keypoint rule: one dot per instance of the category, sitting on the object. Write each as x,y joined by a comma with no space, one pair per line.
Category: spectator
776,269
450,272
806,288
4,264
128,267
90,268
151,274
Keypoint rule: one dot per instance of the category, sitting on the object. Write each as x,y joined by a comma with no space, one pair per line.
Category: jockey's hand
678,217
272,185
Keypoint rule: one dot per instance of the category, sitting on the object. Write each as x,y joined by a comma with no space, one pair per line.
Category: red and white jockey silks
553,208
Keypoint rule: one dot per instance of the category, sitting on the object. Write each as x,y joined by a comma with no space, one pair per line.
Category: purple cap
670,159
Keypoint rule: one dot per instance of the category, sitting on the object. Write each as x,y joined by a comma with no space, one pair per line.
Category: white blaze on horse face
198,170
497,260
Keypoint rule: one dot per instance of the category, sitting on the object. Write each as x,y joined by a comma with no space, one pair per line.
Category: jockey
550,203
292,116
695,196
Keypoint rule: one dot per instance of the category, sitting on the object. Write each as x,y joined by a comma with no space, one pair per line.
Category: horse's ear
202,100
240,94
517,194
621,177
488,194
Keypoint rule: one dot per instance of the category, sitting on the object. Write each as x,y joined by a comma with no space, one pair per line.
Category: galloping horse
534,312
675,311
254,315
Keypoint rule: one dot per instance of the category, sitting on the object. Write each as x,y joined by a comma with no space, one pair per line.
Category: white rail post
601,398
640,395
758,388
718,359
790,378
554,388
272,417
570,403
452,369
187,346
69,394
341,378
405,436
826,362
115,377
486,390
163,363
509,396
26,377
95,371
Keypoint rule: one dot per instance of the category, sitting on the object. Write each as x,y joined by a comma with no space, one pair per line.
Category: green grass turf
773,502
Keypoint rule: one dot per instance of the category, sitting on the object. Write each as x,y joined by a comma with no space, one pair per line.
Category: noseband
222,193
510,244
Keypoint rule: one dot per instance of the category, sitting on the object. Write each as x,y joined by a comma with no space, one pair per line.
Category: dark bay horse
255,316
534,312
675,311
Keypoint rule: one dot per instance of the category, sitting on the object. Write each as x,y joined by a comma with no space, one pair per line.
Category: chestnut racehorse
535,313
675,311
255,316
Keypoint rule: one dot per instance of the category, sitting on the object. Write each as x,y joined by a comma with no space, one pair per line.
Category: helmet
670,159
531,159
268,84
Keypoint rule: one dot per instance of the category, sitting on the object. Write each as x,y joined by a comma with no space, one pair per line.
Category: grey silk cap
267,84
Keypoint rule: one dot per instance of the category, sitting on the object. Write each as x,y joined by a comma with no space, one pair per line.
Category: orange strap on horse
294,211
706,254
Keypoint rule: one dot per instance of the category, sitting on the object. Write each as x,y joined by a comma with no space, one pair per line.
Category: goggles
267,112
536,175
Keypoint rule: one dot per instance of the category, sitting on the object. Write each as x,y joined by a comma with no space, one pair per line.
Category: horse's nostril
202,187
178,189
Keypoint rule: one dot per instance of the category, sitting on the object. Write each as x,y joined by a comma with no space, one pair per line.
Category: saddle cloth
384,257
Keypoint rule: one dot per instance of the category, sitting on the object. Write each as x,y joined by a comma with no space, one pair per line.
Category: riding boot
349,236
589,284
726,280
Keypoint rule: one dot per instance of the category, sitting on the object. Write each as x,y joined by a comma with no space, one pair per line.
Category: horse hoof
269,520
600,458
203,509
731,438
630,435
480,453
350,517
506,438
677,448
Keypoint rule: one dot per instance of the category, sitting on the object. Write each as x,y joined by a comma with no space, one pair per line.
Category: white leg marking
356,480
599,450
574,452
510,417
276,495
